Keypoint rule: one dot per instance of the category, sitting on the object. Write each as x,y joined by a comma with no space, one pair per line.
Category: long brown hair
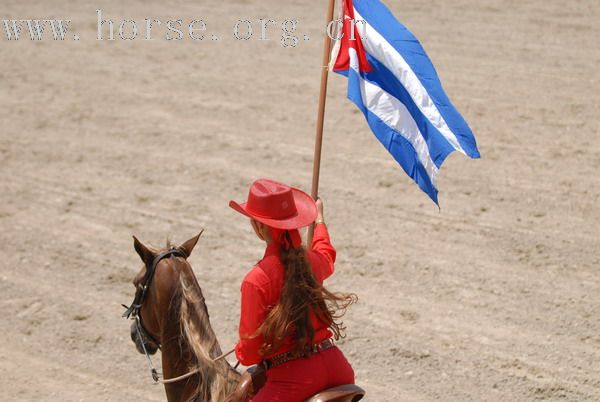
302,294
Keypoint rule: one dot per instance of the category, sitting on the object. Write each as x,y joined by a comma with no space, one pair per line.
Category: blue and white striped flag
392,80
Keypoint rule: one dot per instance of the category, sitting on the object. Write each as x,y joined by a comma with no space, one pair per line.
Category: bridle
133,312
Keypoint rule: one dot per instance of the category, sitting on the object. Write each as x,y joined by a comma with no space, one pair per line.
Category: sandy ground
494,298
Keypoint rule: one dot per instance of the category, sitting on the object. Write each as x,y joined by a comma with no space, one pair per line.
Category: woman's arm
322,246
253,313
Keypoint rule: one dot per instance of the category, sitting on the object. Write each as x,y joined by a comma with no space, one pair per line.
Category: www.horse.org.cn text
111,29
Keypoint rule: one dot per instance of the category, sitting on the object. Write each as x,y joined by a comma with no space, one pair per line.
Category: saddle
343,393
256,376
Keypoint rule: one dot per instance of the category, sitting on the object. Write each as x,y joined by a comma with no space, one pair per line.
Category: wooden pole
321,114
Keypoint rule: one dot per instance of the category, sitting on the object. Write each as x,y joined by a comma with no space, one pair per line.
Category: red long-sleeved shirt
261,289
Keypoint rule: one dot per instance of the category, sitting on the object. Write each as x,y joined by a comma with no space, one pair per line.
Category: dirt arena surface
494,298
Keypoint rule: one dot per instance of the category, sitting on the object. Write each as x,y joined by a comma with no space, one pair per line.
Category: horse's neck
177,360
200,329
180,356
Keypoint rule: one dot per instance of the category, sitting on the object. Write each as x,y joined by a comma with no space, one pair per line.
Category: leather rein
133,312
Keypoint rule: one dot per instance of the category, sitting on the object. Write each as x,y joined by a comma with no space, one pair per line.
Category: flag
394,83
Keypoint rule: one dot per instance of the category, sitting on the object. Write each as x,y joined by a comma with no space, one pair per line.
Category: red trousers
300,379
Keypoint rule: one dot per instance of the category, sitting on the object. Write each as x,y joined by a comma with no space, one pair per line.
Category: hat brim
306,212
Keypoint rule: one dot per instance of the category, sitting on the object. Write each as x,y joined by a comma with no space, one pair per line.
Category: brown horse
170,314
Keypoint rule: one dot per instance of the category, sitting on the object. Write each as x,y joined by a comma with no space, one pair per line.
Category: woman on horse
288,319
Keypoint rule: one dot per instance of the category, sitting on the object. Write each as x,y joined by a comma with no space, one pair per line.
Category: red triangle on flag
348,41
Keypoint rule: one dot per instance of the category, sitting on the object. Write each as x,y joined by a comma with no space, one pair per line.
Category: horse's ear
189,245
144,252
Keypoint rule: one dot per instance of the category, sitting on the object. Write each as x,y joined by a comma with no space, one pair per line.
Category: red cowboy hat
277,205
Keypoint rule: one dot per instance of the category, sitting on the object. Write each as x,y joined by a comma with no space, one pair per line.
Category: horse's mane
217,378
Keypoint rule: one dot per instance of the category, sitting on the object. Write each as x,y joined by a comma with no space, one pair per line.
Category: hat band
251,212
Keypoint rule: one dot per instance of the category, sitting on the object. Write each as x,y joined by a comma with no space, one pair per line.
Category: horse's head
154,284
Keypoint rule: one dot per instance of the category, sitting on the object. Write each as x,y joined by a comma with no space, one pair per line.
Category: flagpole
321,113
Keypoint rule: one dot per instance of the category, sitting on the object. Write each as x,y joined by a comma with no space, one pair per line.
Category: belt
289,356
